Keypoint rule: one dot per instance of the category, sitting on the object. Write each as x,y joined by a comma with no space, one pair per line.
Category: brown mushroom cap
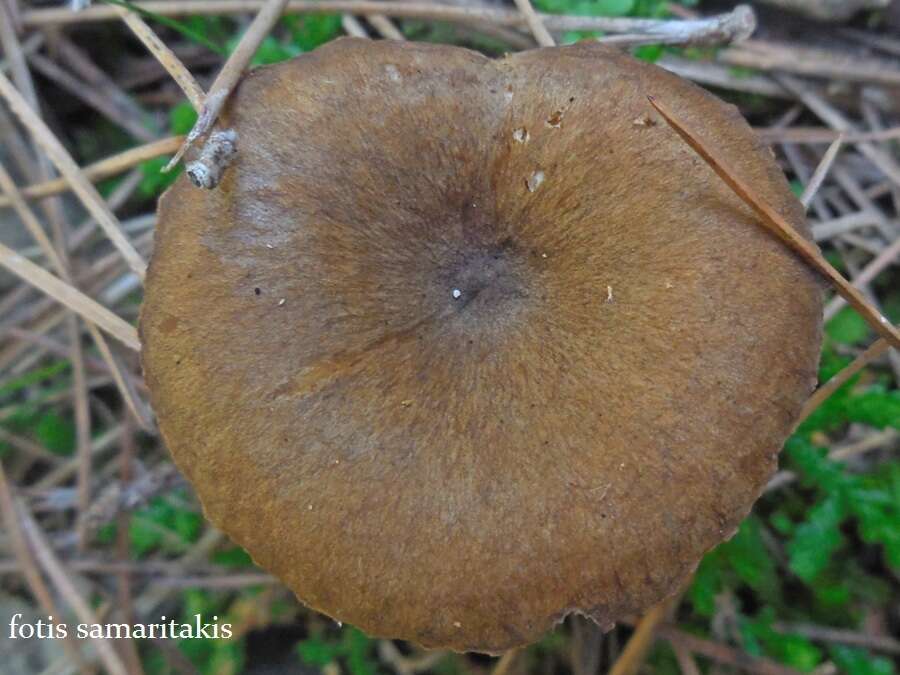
599,406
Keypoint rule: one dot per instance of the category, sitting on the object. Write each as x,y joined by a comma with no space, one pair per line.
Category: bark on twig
231,72
734,26
206,171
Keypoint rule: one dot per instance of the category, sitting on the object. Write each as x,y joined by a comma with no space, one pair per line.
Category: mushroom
452,372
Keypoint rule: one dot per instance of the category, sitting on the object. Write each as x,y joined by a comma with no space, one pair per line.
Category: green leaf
815,541
164,524
847,327
649,53
317,652
182,28
359,657
793,650
273,51
876,407
782,522
353,646
233,557
749,558
875,501
55,433
182,118
613,7
831,594
308,32
33,377
587,7
154,181
853,661
707,584
814,467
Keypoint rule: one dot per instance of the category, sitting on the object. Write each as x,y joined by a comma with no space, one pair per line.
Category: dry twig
413,10
231,72
735,26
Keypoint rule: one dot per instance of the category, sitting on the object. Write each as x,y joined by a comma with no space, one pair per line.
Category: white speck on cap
456,293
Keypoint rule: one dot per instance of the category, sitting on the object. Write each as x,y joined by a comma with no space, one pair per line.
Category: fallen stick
412,10
231,72
735,26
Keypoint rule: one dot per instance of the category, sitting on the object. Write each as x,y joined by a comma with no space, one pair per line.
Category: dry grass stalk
385,27
868,274
206,171
82,414
231,72
353,26
535,25
72,298
835,119
842,453
811,135
723,654
773,221
505,662
164,55
96,98
8,187
39,169
631,658
818,177
103,169
66,587
89,196
28,565
815,62
35,450
32,224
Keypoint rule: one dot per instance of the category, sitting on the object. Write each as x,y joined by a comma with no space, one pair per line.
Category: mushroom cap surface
461,346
